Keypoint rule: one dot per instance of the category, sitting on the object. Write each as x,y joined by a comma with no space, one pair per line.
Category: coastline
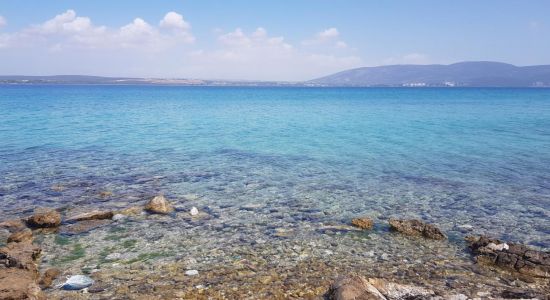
139,254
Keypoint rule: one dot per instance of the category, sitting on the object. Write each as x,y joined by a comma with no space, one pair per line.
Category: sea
276,167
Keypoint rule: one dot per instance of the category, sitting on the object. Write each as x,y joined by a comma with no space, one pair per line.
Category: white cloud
73,44
68,30
173,20
328,34
259,56
3,21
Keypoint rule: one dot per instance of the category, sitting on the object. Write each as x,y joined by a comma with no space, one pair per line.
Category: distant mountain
466,74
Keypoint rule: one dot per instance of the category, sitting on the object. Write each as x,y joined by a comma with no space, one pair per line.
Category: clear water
453,157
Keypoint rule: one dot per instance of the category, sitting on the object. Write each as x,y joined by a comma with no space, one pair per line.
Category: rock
191,272
44,218
21,236
77,282
363,223
83,226
113,256
159,205
417,228
93,215
518,294
510,256
19,272
359,288
17,283
13,225
105,194
194,211
20,255
48,277
118,217
393,290
133,210
353,288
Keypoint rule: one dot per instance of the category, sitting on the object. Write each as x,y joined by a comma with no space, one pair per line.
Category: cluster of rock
510,256
19,276
19,272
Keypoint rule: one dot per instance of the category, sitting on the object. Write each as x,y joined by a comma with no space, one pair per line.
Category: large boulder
417,228
44,218
510,256
159,205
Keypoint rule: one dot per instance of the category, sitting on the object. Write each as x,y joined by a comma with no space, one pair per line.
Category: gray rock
77,282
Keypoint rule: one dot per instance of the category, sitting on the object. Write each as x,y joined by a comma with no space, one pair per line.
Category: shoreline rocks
510,256
159,205
44,218
415,227
19,271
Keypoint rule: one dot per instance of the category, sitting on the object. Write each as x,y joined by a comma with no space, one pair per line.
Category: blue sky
276,40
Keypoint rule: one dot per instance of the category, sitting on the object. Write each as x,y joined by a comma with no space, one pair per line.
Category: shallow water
261,161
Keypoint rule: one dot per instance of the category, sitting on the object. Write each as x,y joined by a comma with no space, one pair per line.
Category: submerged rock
118,217
510,256
44,218
417,228
359,288
363,222
77,282
21,236
93,215
159,205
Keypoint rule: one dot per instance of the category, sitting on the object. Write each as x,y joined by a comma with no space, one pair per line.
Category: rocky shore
144,252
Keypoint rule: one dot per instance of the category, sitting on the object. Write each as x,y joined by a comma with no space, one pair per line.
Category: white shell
191,272
194,211
77,282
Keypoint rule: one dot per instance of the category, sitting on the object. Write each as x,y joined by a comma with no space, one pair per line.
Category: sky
286,40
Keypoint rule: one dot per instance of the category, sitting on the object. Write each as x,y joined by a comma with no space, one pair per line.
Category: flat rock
510,256
417,228
159,205
83,226
392,290
44,218
93,215
21,236
363,222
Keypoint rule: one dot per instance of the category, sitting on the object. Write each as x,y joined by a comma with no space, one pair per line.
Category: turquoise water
454,157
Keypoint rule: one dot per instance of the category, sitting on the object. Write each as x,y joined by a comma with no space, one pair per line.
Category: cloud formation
3,22
72,44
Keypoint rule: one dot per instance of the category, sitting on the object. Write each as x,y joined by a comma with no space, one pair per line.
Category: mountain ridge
461,74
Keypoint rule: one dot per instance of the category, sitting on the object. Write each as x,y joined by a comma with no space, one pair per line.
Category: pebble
194,211
113,256
191,272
